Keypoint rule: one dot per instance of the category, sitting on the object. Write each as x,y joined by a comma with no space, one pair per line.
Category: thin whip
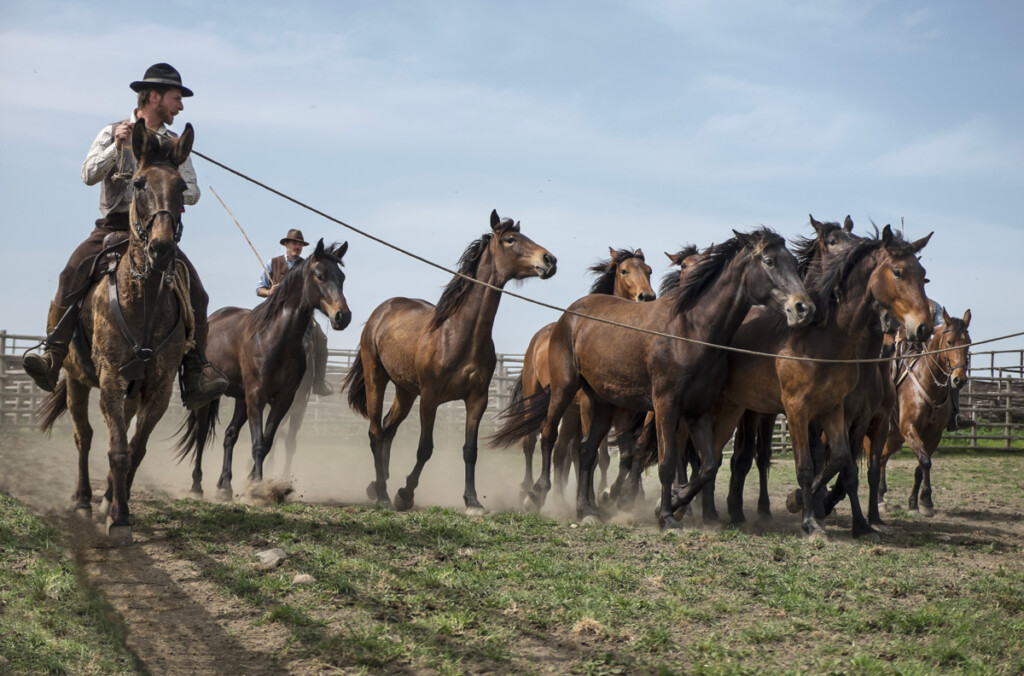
556,308
240,228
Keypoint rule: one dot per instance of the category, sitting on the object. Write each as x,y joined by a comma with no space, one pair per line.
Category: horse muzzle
160,253
799,312
341,319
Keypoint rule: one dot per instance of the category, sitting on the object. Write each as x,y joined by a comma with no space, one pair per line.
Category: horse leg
763,457
666,420
254,405
78,407
798,425
566,447
405,497
475,407
922,475
561,398
529,444
597,417
742,460
113,409
202,422
884,442
278,409
149,412
376,379
238,418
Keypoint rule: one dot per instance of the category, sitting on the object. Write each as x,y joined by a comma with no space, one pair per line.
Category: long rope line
556,308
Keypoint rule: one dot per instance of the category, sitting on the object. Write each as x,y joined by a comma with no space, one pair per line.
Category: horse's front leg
151,409
597,420
405,497
798,425
529,445
278,409
112,407
475,407
743,452
666,421
238,418
254,405
78,406
561,398
922,475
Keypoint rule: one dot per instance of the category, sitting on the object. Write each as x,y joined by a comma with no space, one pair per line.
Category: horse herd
802,331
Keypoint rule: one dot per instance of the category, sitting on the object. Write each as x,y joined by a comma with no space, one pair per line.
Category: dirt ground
179,624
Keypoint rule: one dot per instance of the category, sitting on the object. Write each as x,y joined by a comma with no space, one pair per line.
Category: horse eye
139,183
624,271
897,273
319,275
510,240
770,262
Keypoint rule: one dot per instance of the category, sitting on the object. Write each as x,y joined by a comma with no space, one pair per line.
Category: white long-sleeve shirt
104,163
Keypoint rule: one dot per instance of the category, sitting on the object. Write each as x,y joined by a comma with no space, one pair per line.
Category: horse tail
522,418
515,396
53,406
355,383
647,444
196,430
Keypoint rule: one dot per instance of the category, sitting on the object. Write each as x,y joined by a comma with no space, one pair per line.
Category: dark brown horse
134,325
261,353
877,274
679,380
624,275
439,354
923,405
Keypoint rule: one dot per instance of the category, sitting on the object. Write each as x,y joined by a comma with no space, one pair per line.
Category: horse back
394,335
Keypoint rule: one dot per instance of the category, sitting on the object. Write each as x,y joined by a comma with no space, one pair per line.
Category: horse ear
339,253
639,253
848,224
184,145
674,258
614,254
495,220
946,319
919,244
139,139
817,225
886,235
319,251
745,240
516,227
967,318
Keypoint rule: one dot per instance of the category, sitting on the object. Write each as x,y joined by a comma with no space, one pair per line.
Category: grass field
433,591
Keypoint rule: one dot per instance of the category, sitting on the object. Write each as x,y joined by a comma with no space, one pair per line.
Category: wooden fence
993,396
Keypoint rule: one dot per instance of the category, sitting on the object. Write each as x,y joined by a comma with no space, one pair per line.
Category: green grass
49,623
435,591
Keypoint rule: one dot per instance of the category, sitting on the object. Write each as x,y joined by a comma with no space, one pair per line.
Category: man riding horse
315,341
110,161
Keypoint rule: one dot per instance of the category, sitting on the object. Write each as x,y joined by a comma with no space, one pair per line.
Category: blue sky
646,124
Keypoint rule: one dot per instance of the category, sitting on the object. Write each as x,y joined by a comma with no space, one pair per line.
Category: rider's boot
200,383
45,368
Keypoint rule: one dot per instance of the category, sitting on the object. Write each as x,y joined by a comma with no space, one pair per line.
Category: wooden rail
993,396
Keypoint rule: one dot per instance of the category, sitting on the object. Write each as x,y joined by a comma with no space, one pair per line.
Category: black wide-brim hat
161,75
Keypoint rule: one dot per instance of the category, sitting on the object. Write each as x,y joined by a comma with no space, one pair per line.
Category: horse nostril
549,260
922,332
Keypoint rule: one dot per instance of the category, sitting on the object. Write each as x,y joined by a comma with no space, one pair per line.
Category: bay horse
261,353
625,274
923,406
135,326
439,353
679,380
854,286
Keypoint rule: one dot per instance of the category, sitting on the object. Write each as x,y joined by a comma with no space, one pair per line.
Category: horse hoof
794,502
475,511
669,525
606,497
119,535
84,513
371,491
225,495
927,511
196,494
883,508
403,500
590,520
868,536
101,515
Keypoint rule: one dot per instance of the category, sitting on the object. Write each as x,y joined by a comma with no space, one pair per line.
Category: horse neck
295,311
855,313
929,369
473,322
131,289
717,315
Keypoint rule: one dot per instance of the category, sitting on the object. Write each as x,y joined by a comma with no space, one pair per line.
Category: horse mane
807,248
671,278
457,290
605,269
708,270
824,290
264,314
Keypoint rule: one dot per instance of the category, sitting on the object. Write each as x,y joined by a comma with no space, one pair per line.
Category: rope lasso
660,334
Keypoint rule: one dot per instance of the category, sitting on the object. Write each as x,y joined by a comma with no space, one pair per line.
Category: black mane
457,290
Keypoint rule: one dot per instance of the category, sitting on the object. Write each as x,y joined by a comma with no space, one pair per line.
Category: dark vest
279,268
